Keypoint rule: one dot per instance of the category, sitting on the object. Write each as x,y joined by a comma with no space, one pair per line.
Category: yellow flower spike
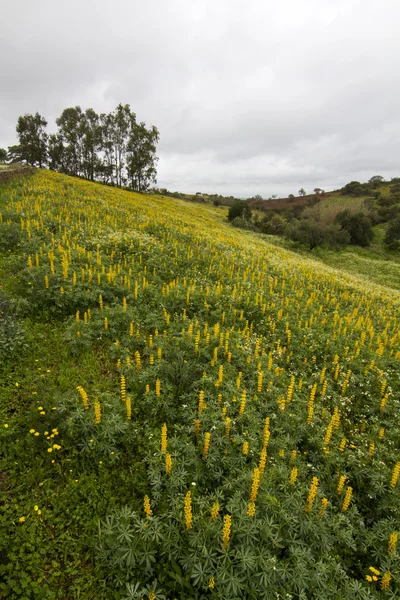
164,438
97,411
188,510
168,463
347,499
251,509
324,504
395,475
226,532
214,511
293,475
392,543
128,408
245,448
206,446
255,484
211,583
311,494
227,426
385,581
84,397
147,507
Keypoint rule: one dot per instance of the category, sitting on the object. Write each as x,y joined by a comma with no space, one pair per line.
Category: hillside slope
186,410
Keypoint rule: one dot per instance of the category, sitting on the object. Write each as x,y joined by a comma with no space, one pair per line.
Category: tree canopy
113,148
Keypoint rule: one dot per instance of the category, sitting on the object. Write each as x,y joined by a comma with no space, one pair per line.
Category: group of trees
113,148
312,226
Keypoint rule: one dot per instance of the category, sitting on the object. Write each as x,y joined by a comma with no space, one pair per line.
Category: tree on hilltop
302,192
32,138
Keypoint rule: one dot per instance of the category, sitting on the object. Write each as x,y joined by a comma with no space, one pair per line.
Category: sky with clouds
250,96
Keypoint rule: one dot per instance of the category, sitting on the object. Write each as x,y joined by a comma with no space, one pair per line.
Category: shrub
358,226
239,209
392,237
354,188
313,234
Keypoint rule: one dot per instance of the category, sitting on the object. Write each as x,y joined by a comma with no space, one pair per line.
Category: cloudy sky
250,96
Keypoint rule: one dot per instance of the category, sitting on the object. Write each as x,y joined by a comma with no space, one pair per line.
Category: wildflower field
186,411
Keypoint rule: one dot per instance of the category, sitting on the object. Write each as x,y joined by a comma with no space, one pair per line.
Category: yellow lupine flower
226,532
188,510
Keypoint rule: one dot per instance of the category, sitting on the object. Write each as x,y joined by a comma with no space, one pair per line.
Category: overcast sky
250,96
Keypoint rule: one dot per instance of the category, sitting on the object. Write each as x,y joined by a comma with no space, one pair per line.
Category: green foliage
392,237
32,138
240,209
358,225
355,188
313,234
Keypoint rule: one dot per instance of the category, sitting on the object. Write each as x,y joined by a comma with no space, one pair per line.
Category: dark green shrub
392,237
358,226
312,234
239,209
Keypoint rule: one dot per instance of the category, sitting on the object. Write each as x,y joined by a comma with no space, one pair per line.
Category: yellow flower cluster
395,475
206,447
255,484
97,411
84,396
311,494
214,511
164,438
392,543
226,532
293,475
347,499
168,463
188,510
146,507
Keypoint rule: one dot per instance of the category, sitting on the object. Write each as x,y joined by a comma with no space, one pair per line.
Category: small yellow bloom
46,433
39,512
36,433
49,449
374,571
40,407
36,507
42,412
31,431
6,425
22,519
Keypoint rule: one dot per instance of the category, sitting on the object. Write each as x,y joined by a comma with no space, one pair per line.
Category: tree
392,236
3,155
313,234
302,192
291,196
354,188
376,181
358,225
32,137
70,137
318,190
239,209
141,156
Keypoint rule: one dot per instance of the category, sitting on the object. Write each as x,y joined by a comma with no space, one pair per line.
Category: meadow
188,411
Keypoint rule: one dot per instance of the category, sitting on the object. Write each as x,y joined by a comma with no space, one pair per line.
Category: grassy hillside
188,411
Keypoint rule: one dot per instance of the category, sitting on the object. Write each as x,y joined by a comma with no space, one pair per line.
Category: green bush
358,225
312,234
239,209
392,237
